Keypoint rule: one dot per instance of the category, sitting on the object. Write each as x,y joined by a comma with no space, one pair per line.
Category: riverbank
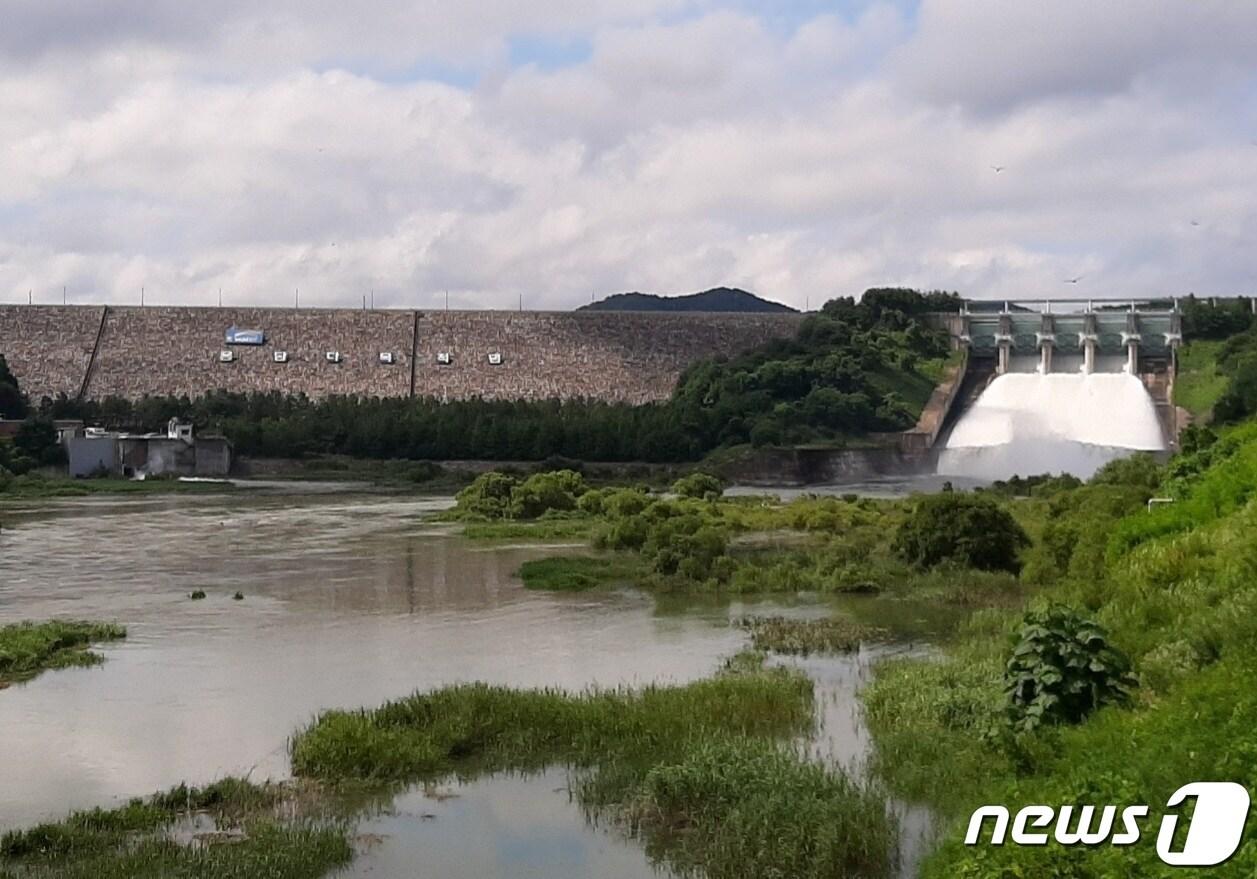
1175,590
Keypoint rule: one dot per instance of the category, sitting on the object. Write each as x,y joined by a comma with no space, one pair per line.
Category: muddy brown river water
350,600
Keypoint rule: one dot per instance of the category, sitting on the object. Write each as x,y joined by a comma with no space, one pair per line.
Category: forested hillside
715,299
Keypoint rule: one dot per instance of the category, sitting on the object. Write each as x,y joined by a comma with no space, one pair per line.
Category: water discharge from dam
1026,423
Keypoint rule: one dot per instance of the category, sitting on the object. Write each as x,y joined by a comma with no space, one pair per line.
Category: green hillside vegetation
853,369
1200,381
1170,595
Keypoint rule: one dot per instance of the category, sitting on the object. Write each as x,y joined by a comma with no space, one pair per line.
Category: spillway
1029,423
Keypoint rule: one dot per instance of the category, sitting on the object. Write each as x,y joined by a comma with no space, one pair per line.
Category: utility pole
63,295
373,299
30,297
447,300
296,297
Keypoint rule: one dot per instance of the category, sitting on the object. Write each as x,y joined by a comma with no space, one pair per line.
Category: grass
830,635
136,841
1200,382
478,727
26,649
578,573
752,810
697,770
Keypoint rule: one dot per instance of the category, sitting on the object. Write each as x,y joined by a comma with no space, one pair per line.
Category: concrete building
175,453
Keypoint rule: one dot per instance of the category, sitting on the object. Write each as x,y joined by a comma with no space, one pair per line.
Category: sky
504,153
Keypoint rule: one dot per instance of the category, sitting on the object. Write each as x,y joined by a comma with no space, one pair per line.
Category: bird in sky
1195,222
998,168
1073,280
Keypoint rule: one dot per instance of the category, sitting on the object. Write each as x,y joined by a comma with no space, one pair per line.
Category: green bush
1062,668
545,492
1139,471
626,502
702,486
688,546
593,502
963,529
489,495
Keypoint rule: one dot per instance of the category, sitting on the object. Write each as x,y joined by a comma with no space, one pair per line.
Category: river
350,599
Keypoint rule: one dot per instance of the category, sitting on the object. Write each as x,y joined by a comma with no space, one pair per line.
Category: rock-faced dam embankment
96,352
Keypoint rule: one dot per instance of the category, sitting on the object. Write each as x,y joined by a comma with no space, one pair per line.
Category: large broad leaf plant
1062,668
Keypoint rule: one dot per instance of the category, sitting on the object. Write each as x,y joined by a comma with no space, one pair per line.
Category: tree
37,439
963,529
12,403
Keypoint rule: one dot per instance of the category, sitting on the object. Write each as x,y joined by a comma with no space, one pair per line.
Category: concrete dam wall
630,357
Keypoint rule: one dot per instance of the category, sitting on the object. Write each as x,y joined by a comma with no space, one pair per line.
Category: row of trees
843,375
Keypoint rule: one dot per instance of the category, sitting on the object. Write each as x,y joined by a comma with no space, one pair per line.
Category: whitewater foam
1026,424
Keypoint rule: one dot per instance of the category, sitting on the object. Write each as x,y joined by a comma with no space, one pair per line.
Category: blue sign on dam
237,336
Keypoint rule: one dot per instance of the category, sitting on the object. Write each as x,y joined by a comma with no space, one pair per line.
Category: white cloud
687,150
991,56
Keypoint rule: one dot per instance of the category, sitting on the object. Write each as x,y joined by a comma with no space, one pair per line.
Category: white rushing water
1026,424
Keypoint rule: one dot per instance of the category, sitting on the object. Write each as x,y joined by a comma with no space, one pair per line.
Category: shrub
1062,668
688,546
703,486
627,533
543,492
1141,471
962,529
626,502
489,495
593,502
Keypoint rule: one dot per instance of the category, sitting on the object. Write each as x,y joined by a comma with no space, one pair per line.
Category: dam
96,352
1062,386
1043,386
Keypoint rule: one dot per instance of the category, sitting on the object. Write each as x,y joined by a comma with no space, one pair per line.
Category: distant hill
716,299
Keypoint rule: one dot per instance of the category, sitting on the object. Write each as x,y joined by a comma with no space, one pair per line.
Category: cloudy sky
557,150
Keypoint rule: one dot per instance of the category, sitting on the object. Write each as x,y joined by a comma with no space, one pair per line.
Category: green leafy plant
1062,668
962,529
